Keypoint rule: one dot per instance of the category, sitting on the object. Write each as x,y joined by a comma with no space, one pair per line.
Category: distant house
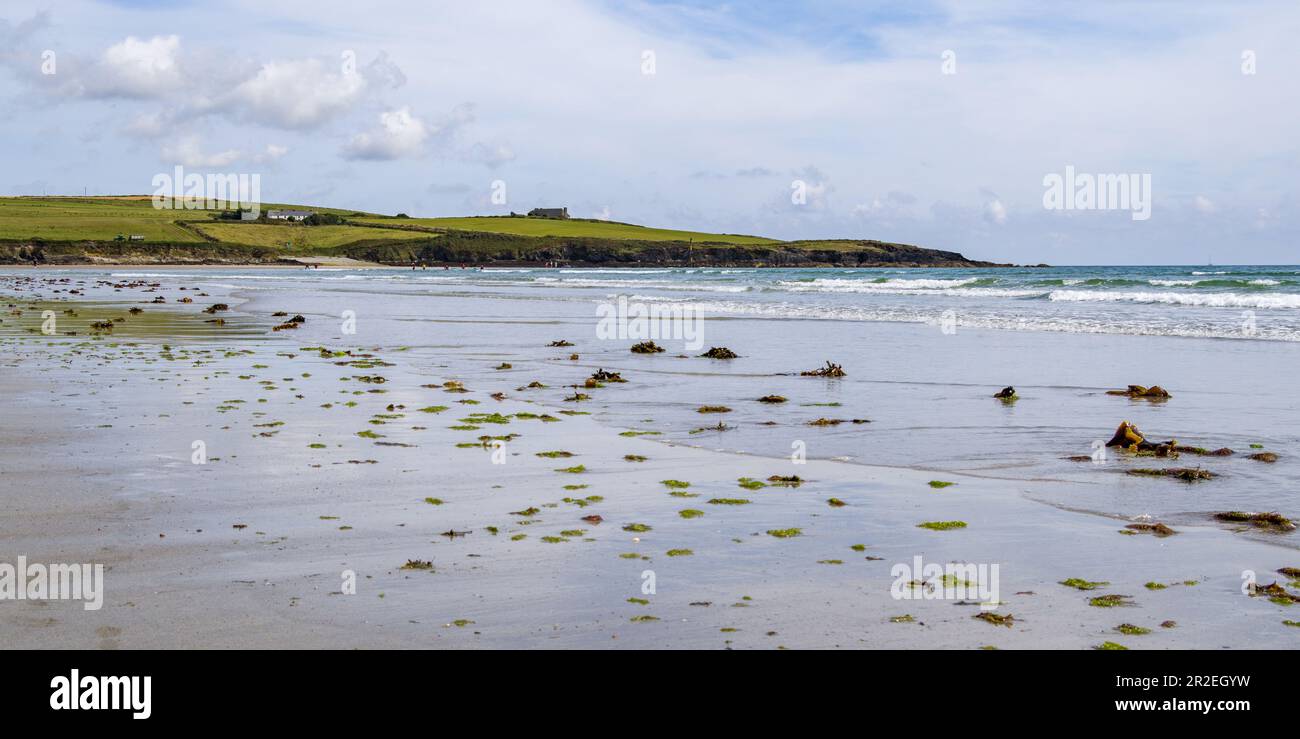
549,212
137,237
289,215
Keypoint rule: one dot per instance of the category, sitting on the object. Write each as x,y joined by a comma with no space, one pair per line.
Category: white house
288,215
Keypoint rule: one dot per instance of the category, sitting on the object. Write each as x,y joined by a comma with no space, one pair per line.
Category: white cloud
995,212
398,136
490,155
135,68
272,153
149,125
1204,204
294,94
188,152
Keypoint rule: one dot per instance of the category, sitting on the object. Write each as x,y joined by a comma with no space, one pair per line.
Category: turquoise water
1260,303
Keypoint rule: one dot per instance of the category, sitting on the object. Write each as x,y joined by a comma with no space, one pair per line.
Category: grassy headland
128,229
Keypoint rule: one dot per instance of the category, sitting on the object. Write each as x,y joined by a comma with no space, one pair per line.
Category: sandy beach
332,458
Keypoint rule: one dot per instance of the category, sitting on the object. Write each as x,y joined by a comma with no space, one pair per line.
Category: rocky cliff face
478,248
482,249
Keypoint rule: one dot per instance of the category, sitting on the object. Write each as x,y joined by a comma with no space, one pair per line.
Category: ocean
1259,303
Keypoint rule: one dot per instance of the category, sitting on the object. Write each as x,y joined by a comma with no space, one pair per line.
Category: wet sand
251,548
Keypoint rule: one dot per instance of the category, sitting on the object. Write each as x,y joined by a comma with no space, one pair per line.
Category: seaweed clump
1158,529
646,347
719,352
830,370
996,619
1128,437
1155,392
1273,521
601,375
1007,394
1186,474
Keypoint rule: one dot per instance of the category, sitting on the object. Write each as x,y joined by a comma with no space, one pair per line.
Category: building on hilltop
549,213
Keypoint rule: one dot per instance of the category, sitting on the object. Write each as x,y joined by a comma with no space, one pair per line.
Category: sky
936,123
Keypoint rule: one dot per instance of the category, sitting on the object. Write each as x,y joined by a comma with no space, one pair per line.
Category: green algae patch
940,484
830,561
906,618
637,528
713,409
315,446
433,409
433,501
519,537
633,458
416,564
1131,630
476,418
1155,586
573,533
367,434
679,553
630,555
859,547
835,503
576,469
558,454
554,539
729,501
1081,584
941,525
631,434
675,484
785,533
690,513
643,619
639,601
749,483
1110,646
1110,601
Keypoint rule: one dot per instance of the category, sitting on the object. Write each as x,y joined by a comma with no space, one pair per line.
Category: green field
298,237
78,219
572,227
104,218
